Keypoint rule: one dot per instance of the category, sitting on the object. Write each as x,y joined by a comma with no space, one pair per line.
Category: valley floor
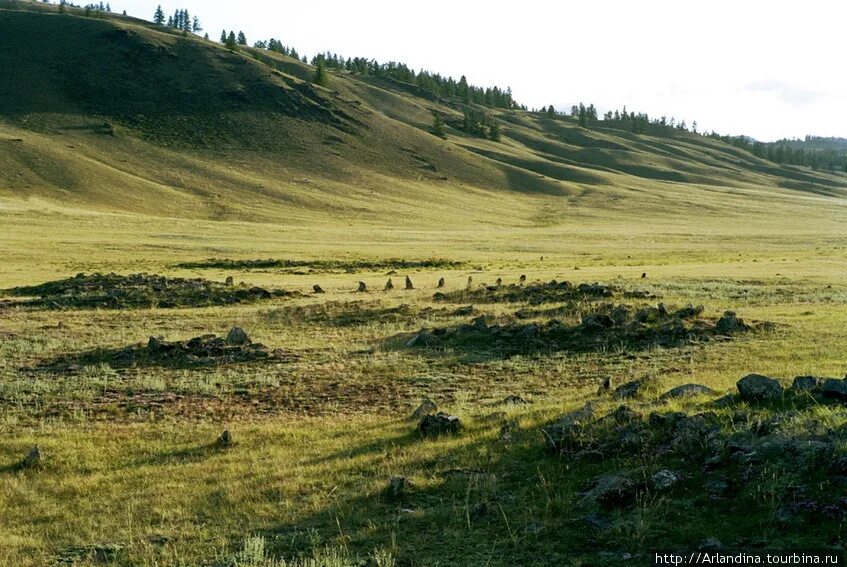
130,473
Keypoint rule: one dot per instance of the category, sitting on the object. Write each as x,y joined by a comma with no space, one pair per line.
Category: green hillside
112,113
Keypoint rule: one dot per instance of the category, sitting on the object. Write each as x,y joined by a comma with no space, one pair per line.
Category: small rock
523,278
644,275
237,337
427,407
758,388
470,281
409,283
605,386
730,323
611,491
424,338
687,390
33,458
512,400
317,289
396,486
154,344
834,388
362,287
805,384
711,544
439,424
507,429
389,285
628,390
440,282
597,522
664,480
229,280
225,439
726,401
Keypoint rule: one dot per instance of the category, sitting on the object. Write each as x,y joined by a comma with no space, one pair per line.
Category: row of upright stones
389,285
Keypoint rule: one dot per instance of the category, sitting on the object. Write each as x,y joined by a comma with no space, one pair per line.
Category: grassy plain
249,162
129,478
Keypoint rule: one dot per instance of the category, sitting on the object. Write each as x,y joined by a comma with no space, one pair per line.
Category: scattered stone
628,390
834,388
427,407
621,416
730,323
409,283
237,337
507,429
225,439
711,545
758,388
464,311
424,338
138,291
664,480
440,282
687,390
470,281
33,458
439,424
396,486
522,278
229,280
726,401
597,522
605,386
805,384
611,491
317,289
644,275
499,283
566,431
391,273
389,285
513,400
202,351
362,287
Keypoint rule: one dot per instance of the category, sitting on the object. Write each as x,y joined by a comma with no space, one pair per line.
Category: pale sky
768,69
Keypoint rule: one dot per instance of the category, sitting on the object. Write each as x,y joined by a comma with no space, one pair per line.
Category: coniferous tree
159,16
320,77
494,131
242,39
438,125
223,36
195,25
230,41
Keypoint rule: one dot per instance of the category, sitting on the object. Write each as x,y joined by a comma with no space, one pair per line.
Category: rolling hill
112,113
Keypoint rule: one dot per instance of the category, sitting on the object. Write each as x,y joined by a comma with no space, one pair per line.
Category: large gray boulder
687,390
758,388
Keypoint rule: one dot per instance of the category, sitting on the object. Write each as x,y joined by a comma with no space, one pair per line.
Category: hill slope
115,114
